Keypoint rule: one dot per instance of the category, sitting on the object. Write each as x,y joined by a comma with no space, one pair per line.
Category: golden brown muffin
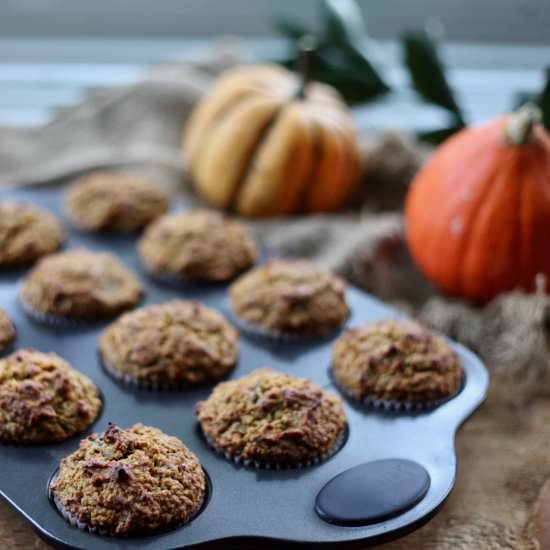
169,345
79,285
7,331
43,399
290,297
115,202
197,245
396,361
137,481
271,419
27,233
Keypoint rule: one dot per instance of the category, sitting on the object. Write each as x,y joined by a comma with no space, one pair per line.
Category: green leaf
427,72
343,22
435,137
543,101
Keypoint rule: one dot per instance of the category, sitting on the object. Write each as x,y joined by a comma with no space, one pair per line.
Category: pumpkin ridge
317,152
467,251
246,166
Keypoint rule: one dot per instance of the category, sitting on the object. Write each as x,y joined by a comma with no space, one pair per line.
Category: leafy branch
342,57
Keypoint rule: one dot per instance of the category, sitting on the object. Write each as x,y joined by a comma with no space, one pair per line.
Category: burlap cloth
500,500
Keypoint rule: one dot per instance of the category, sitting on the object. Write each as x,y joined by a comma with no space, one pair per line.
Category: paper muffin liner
135,383
47,318
173,279
393,405
260,333
266,465
73,521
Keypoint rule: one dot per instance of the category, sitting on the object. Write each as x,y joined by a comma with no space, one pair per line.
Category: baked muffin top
272,418
7,330
136,481
81,285
112,201
396,360
197,245
180,342
290,297
27,233
43,399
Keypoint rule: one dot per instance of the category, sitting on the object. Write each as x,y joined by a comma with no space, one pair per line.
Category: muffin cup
389,405
73,521
135,383
261,465
259,333
47,318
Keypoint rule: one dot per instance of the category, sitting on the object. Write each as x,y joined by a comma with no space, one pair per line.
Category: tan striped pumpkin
254,146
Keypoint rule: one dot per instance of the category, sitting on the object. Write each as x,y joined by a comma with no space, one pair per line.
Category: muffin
289,297
111,201
79,285
132,482
26,234
43,399
271,419
178,343
396,363
7,331
197,245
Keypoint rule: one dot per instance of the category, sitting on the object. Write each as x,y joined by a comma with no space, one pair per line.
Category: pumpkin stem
519,129
307,45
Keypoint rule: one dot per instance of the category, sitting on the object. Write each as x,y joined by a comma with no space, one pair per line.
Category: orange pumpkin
478,213
262,144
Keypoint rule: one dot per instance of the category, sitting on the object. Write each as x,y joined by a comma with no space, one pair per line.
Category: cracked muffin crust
112,201
27,233
43,399
197,245
173,344
291,297
7,331
79,285
397,361
272,419
137,481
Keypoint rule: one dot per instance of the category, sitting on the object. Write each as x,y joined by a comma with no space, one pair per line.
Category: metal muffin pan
246,507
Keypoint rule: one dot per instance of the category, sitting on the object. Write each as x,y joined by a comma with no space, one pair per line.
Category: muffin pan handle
372,492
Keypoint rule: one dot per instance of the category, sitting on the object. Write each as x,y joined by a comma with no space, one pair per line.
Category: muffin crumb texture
290,297
43,399
127,482
396,360
176,343
80,285
7,331
112,201
27,233
197,245
272,418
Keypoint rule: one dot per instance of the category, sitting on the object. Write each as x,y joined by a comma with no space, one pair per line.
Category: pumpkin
478,213
264,143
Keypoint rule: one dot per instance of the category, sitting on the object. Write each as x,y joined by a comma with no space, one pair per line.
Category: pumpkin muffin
43,399
197,245
137,481
290,298
79,285
115,202
178,343
7,331
394,362
271,419
26,234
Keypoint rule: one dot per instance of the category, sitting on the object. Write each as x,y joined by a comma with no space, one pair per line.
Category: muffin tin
412,455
